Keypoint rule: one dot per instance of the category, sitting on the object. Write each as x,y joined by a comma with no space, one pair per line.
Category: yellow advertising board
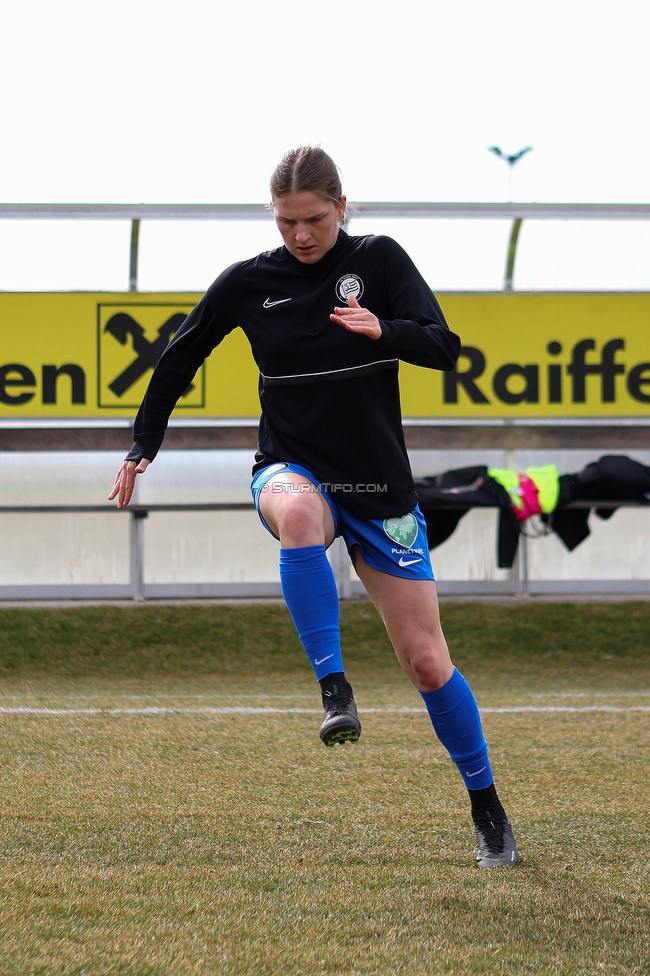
534,355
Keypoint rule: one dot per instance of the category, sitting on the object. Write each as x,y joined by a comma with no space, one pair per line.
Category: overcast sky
196,101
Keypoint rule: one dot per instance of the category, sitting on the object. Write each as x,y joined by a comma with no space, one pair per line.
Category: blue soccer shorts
396,546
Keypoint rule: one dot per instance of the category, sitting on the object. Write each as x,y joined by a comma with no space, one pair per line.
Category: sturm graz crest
349,284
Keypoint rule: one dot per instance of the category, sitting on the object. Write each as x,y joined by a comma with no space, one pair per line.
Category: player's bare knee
429,670
299,521
301,528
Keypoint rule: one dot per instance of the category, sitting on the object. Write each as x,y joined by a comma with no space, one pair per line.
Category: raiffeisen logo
590,373
131,338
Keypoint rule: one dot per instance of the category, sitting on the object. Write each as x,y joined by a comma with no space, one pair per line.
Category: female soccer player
328,317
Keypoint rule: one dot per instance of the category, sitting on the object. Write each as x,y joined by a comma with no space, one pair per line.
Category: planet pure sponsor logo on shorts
349,284
403,531
408,557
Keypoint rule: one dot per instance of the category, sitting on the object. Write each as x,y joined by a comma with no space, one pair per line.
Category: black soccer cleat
341,720
496,843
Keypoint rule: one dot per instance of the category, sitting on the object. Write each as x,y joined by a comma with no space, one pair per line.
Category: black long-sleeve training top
329,397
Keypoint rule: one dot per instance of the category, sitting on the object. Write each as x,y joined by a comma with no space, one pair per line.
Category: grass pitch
167,808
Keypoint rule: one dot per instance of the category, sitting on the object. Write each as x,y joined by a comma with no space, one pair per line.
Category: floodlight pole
511,160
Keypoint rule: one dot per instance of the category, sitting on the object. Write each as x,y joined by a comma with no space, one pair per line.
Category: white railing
517,584
515,212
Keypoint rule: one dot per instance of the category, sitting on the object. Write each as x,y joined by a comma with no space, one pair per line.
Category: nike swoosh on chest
269,303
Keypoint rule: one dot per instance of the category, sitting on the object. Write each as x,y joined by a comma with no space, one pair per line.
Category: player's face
309,223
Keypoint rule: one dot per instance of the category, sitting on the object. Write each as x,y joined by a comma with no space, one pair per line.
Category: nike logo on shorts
269,304
409,562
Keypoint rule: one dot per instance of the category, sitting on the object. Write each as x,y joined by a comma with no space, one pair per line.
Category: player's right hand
125,480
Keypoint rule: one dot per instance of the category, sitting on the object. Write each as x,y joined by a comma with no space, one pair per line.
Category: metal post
523,564
133,264
518,574
137,554
512,253
515,574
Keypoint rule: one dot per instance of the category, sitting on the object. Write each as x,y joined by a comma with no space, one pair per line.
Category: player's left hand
357,319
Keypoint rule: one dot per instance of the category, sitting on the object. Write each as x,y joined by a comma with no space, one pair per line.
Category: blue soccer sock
310,593
456,721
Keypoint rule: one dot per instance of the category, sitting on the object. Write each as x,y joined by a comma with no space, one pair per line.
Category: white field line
252,710
565,708
590,694
260,697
